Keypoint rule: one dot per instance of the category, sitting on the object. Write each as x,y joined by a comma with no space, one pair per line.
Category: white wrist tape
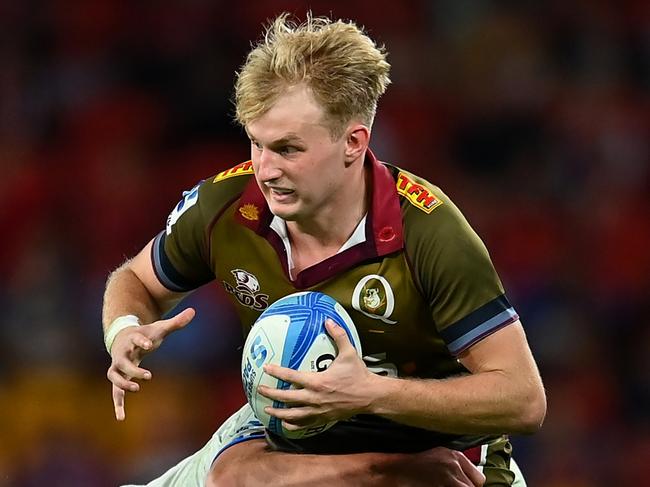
117,326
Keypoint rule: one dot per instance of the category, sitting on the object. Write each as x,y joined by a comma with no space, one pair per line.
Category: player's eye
286,150
256,144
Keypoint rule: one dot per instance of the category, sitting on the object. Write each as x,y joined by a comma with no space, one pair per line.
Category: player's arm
133,291
251,464
502,393
147,286
133,288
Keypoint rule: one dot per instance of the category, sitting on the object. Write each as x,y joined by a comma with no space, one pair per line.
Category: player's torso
392,319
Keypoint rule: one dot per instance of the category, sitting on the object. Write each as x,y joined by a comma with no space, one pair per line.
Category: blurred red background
533,116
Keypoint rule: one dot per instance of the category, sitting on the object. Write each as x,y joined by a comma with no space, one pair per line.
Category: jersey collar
383,226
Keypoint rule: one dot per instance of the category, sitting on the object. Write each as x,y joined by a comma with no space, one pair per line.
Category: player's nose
267,166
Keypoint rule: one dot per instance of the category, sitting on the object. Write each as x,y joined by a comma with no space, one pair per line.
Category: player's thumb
178,321
338,333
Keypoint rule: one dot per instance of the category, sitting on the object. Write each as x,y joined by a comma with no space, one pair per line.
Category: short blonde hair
345,70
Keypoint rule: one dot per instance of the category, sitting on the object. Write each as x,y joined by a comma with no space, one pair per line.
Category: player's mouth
281,195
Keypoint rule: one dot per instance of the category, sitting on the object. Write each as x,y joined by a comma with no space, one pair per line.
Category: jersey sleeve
455,273
180,253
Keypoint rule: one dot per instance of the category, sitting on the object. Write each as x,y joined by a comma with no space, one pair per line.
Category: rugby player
447,366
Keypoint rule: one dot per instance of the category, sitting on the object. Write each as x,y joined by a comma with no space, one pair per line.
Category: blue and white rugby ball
291,333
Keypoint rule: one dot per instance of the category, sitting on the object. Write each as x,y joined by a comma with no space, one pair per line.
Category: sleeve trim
477,334
478,324
164,270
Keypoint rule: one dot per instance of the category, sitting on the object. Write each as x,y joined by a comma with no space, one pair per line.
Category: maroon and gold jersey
415,278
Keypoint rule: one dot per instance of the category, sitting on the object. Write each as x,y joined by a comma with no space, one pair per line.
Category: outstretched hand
337,393
129,348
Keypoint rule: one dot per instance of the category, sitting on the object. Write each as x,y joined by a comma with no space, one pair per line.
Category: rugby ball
291,333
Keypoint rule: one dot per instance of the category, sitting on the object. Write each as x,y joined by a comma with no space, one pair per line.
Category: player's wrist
380,391
117,325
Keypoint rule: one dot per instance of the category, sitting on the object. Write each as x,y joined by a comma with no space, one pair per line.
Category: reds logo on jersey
246,290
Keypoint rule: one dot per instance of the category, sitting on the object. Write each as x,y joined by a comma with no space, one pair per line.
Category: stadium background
533,116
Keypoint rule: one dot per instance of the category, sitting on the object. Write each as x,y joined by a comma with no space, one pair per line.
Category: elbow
532,413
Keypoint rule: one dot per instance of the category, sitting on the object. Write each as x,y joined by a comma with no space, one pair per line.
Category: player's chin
286,211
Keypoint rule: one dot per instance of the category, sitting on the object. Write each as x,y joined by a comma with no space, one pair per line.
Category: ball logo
324,361
258,351
246,290
374,297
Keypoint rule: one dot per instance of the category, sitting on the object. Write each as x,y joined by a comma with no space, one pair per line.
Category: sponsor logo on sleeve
246,290
190,198
374,297
419,196
239,170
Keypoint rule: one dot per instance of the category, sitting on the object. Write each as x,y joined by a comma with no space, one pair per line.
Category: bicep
142,266
505,350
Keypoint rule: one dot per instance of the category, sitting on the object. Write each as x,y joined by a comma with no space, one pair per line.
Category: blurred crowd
533,116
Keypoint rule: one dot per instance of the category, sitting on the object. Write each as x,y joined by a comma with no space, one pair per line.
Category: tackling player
447,360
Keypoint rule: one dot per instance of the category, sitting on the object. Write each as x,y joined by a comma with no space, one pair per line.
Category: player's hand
129,348
452,468
321,397
438,466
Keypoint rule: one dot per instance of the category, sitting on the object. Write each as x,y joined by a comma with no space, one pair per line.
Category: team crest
374,297
250,212
246,290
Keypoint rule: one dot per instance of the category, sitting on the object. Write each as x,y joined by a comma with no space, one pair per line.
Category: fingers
176,322
121,383
298,379
471,471
287,396
340,336
125,366
141,341
118,403
130,369
120,380
296,417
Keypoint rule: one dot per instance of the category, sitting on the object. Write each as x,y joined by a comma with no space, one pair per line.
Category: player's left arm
503,392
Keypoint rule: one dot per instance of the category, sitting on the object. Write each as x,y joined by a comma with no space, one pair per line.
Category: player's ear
357,137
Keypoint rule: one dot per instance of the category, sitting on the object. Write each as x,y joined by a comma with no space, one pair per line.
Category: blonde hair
344,69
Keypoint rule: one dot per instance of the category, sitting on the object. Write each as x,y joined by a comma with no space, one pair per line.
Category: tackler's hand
128,349
337,393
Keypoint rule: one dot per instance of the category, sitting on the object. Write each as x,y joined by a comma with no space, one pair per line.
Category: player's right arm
174,263
134,289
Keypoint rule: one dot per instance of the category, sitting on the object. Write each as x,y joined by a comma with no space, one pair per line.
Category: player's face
297,164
